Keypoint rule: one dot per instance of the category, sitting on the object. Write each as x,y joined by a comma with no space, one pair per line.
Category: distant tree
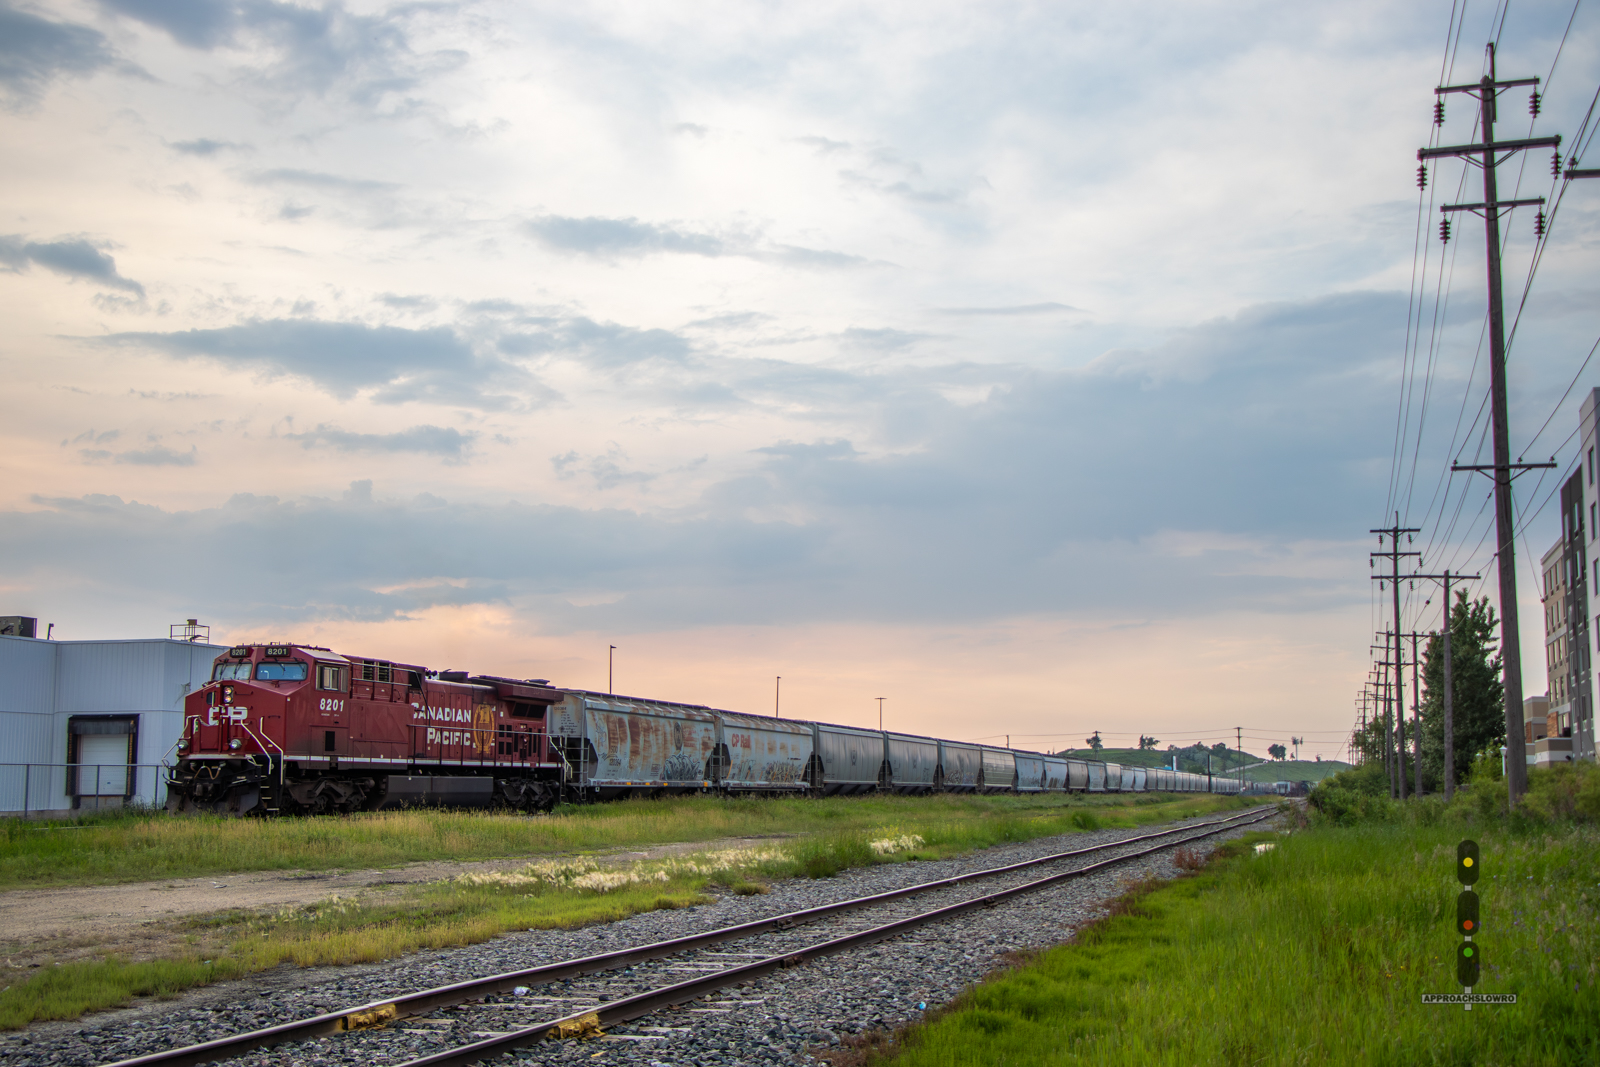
1147,743
1277,751
1297,742
1094,741
1479,701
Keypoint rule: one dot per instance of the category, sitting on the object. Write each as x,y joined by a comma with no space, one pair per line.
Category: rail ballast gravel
619,1011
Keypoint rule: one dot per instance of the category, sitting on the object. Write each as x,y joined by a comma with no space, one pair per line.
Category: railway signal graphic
1467,964
1469,956
1467,862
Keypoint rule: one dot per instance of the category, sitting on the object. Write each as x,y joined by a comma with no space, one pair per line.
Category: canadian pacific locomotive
298,729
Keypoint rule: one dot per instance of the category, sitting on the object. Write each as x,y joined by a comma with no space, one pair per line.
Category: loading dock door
102,749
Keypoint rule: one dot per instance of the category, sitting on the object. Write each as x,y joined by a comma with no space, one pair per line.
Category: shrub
1566,792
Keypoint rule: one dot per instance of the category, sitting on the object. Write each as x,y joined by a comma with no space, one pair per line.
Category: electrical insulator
1422,176
1533,104
1438,112
1444,230
1538,224
1555,165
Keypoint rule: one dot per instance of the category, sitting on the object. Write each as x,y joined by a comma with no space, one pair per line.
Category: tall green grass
146,846
1316,952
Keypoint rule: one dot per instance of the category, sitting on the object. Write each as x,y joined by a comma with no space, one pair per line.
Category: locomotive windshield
281,672
231,672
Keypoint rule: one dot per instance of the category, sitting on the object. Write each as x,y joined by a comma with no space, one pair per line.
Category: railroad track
578,997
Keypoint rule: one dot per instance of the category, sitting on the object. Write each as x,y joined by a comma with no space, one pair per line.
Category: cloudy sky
1036,367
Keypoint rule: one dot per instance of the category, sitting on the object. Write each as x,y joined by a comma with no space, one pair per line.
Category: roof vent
19,626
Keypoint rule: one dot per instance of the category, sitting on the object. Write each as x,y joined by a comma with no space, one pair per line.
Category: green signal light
1468,962
1468,862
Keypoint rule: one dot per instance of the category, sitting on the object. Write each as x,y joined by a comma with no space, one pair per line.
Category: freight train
298,729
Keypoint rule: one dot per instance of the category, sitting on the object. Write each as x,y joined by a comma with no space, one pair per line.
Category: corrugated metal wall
27,680
44,683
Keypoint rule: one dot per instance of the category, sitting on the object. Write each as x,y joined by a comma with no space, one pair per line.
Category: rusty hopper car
300,729
626,746
761,755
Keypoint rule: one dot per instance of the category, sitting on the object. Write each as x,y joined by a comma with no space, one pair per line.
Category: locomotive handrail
261,742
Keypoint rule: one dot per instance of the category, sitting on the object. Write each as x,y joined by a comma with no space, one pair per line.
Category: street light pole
611,671
776,692
880,715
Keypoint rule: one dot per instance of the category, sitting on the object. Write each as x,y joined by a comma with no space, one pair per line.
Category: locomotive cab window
291,671
519,710
330,678
231,672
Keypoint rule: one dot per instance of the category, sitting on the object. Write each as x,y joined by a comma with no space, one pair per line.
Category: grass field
571,890
142,847
1315,952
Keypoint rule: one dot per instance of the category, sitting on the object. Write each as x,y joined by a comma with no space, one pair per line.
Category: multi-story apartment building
1580,525
1570,569
1544,735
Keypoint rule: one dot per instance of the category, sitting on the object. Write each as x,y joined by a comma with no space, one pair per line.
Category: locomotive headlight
227,694
183,744
236,744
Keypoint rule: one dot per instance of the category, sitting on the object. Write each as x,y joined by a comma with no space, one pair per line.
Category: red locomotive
298,729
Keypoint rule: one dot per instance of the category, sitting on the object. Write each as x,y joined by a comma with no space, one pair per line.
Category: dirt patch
149,920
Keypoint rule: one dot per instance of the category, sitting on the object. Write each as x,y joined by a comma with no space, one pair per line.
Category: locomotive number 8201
331,704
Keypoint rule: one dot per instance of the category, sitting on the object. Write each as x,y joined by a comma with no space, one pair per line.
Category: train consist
298,729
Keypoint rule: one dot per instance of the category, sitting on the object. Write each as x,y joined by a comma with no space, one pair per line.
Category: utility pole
777,689
1488,155
1393,556
611,661
880,721
1449,693
1394,726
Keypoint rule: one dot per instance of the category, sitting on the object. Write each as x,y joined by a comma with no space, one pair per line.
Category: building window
101,751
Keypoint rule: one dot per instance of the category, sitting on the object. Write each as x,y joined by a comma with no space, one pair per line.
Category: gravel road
781,1019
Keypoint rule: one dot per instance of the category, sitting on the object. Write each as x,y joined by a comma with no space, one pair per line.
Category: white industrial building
87,724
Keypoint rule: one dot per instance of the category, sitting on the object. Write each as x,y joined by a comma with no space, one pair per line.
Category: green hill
1295,770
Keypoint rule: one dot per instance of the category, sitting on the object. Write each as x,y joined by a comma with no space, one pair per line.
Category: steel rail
380,1012
627,1008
